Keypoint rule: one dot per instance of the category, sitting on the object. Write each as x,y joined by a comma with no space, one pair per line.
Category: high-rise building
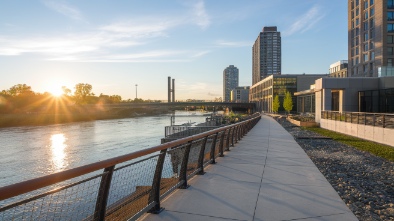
267,58
230,81
371,37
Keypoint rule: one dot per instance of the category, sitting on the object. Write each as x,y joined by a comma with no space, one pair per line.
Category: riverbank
79,114
365,182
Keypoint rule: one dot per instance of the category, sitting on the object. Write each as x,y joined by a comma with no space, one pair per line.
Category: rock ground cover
364,181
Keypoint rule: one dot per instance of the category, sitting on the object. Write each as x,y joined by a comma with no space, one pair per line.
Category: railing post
183,172
374,119
384,121
358,118
239,132
365,118
213,147
351,117
154,195
201,157
232,136
228,140
221,144
102,196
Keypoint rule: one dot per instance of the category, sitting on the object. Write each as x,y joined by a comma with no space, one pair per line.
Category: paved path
266,176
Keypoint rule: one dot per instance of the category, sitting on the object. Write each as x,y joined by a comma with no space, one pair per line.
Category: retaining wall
376,134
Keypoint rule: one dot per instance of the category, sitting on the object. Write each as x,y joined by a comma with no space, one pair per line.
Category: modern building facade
230,81
371,36
240,94
264,91
338,69
267,54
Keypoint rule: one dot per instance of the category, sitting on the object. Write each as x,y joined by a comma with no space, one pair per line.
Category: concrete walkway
266,176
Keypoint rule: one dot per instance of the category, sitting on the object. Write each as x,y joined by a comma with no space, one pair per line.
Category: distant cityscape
362,83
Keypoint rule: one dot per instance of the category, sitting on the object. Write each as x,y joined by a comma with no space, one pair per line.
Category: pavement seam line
262,175
197,214
311,217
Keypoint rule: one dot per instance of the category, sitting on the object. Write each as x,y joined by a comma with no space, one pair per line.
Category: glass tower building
267,54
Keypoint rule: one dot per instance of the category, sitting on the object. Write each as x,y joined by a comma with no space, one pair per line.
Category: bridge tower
171,90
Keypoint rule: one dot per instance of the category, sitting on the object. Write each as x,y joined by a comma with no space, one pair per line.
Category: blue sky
114,45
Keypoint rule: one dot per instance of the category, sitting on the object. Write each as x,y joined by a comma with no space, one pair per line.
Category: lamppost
136,85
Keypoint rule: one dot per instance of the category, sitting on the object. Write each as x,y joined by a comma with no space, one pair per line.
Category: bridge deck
266,176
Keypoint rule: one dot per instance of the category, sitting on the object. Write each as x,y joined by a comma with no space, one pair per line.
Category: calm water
30,152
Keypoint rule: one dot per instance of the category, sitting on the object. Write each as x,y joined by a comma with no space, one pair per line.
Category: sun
55,90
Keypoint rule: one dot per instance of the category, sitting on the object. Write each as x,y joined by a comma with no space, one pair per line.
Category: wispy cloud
234,44
110,42
306,21
201,17
64,9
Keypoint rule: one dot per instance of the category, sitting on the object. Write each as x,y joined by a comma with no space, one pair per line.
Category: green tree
20,89
66,91
275,104
288,102
82,91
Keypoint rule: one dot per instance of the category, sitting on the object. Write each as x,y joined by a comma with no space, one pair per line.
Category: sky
114,45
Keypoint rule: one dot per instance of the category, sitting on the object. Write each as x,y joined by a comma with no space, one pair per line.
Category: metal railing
120,188
372,119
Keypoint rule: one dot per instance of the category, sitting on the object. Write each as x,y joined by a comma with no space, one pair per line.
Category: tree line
21,98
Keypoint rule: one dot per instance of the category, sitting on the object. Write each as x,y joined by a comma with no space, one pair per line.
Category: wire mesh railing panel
226,140
192,164
75,202
171,169
130,189
369,119
207,151
389,121
354,118
217,145
348,117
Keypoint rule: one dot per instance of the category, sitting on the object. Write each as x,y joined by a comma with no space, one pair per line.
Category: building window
357,2
366,15
390,16
365,36
390,27
371,23
357,21
390,39
371,2
365,25
371,45
356,50
390,51
366,47
365,57
371,11
372,55
372,35
390,4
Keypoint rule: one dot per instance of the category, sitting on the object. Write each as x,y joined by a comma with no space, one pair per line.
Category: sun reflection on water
58,154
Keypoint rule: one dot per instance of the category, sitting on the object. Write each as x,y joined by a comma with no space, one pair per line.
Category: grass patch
377,149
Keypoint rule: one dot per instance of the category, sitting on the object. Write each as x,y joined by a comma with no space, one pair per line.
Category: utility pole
136,85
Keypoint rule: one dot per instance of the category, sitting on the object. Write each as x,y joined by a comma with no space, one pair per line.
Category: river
30,152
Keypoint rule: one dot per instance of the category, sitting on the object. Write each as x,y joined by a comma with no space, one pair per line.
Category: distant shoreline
43,119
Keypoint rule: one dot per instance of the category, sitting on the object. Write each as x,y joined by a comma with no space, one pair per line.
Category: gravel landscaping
364,181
